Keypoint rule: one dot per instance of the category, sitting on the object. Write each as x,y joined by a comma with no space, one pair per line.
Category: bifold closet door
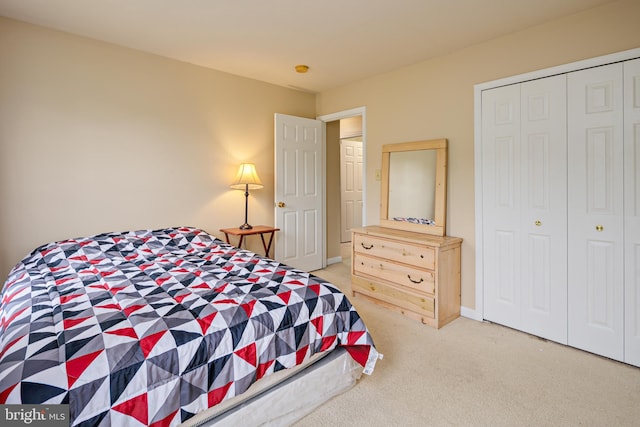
524,206
632,210
595,207
501,205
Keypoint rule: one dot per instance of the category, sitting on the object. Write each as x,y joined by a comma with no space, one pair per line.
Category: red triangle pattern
124,332
327,342
8,346
221,288
180,298
315,288
165,422
131,309
75,367
318,322
248,354
114,290
359,353
263,367
4,321
136,408
161,280
147,343
285,296
301,354
353,337
5,393
248,307
62,281
216,396
205,322
108,273
110,307
70,323
202,285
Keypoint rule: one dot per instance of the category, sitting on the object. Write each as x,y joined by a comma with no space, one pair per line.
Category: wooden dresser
416,274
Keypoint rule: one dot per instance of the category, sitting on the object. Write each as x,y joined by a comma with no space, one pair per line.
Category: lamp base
245,226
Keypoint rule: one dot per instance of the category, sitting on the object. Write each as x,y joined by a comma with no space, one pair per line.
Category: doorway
350,125
351,177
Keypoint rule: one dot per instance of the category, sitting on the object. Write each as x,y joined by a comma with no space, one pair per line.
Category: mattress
286,397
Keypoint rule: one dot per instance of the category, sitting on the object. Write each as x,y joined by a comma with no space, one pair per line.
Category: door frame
354,112
478,312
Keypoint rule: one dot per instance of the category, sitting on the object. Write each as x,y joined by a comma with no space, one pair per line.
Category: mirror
414,185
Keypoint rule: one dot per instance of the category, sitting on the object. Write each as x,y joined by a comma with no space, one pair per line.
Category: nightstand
257,229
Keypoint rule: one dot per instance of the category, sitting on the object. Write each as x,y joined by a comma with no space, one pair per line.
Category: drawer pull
414,281
367,248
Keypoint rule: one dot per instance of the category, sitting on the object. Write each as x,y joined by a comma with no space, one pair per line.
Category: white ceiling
341,40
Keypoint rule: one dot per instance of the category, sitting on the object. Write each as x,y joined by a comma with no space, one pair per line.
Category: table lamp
246,179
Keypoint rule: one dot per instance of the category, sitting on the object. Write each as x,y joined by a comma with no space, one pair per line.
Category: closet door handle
599,227
538,222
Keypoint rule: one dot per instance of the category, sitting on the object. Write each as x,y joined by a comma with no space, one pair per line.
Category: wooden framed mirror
414,186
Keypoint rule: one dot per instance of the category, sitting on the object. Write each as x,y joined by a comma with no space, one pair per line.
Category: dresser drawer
400,274
394,250
404,300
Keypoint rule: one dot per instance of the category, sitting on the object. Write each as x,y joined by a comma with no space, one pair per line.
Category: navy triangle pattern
155,326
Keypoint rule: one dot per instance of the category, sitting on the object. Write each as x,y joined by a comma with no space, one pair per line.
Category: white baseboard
334,260
470,313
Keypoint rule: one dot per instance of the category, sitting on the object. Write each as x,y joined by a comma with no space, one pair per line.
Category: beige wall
434,99
95,137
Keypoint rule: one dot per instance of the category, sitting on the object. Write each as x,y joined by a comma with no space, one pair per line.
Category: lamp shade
247,178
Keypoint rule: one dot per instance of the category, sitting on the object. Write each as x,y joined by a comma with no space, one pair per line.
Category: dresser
413,273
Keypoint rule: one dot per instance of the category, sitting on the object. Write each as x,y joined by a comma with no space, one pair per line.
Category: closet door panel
544,207
501,205
632,210
595,211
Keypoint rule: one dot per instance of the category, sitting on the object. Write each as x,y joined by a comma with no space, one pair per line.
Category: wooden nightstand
257,229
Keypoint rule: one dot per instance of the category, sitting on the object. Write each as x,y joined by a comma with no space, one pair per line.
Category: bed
163,327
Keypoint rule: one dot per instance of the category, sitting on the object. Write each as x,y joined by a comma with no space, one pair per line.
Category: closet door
524,207
501,205
595,207
544,207
632,210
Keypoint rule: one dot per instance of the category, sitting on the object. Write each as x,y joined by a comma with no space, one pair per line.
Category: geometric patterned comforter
151,327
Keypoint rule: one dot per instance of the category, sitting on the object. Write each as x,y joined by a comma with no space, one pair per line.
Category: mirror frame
440,203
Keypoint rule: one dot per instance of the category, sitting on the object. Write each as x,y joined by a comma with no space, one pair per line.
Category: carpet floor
472,373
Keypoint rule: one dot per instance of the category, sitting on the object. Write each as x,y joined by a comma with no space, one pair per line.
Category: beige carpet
473,373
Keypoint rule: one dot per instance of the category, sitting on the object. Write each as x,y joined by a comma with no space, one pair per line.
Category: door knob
599,228
538,222
281,204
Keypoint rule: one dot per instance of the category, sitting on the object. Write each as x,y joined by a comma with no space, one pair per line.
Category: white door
524,206
299,154
350,187
595,207
544,207
501,205
632,210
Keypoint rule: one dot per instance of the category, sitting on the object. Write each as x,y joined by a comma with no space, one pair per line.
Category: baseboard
469,313
334,260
